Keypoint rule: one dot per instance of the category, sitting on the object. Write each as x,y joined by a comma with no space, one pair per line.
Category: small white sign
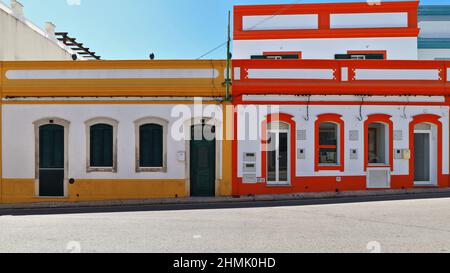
181,156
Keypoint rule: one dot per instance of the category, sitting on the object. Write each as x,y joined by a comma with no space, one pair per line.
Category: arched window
378,148
379,143
102,145
151,147
329,143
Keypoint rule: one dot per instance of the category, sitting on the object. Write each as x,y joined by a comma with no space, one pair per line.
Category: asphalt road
345,225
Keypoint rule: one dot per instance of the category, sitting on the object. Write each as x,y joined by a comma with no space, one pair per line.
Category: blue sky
131,29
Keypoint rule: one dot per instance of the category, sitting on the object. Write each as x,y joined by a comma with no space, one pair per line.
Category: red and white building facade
342,100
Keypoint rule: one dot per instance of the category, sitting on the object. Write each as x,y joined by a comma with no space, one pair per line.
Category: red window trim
324,11
356,52
337,119
281,117
380,118
299,53
328,146
426,118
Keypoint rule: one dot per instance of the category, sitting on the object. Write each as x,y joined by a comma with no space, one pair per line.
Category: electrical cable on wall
360,118
307,108
404,116
278,12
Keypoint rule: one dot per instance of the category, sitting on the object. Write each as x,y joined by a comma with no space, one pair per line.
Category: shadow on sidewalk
215,205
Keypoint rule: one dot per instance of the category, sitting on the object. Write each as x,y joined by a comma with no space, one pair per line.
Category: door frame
277,167
433,159
218,169
37,125
437,125
289,120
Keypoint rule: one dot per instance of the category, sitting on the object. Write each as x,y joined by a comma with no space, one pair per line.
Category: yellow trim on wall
1,151
114,87
23,190
227,160
62,102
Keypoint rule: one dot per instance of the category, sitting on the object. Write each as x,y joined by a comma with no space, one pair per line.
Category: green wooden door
202,165
51,160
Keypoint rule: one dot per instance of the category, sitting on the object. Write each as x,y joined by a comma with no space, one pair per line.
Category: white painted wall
430,29
277,22
434,29
22,40
397,48
433,54
369,20
350,113
19,139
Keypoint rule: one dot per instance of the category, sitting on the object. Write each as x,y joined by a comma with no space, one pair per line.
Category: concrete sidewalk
228,200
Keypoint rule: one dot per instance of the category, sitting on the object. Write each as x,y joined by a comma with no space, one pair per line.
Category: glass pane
328,142
278,126
283,163
328,134
377,143
203,132
422,157
271,157
373,149
328,156
423,126
101,145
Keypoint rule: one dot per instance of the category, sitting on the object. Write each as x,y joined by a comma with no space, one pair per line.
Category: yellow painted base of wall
225,184
15,191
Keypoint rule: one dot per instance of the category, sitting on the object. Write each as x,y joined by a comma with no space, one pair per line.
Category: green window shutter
342,56
374,57
151,146
368,56
101,150
51,144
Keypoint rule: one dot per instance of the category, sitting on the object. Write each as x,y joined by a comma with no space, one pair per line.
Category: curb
229,200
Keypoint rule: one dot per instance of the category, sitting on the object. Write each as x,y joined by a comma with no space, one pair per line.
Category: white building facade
21,39
434,38
341,97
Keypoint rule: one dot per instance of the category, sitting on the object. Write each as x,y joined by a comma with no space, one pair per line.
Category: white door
278,157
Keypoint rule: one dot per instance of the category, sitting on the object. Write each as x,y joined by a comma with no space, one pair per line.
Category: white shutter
378,178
